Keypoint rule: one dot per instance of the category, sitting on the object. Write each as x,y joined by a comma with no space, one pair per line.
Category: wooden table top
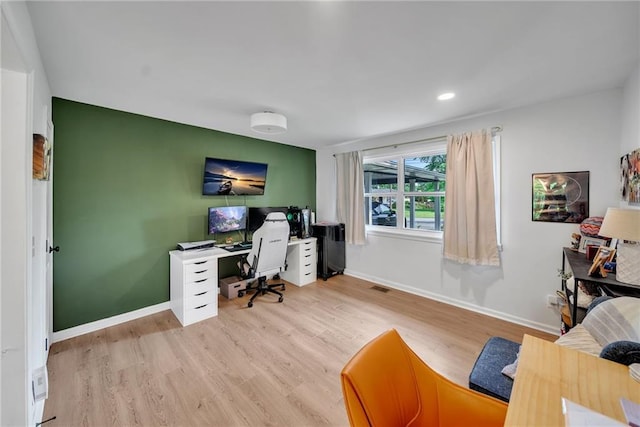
547,372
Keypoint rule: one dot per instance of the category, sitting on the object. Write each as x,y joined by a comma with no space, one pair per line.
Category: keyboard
237,247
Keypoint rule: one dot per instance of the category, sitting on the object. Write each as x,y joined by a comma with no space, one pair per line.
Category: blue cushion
486,375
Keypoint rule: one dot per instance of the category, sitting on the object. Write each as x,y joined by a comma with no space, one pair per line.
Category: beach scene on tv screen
234,178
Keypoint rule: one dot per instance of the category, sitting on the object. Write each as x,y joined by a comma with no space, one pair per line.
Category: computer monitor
258,215
224,219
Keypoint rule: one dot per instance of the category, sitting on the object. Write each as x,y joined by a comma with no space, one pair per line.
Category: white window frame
399,153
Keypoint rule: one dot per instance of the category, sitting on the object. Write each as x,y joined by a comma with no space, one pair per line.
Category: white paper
579,416
631,412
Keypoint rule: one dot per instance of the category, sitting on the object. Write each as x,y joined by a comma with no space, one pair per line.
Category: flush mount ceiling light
445,96
268,122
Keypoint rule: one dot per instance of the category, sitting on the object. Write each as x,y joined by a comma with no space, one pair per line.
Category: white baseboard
109,321
462,304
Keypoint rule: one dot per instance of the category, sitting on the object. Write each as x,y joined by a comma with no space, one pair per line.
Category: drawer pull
201,293
200,281
202,306
200,262
307,265
200,272
307,256
307,274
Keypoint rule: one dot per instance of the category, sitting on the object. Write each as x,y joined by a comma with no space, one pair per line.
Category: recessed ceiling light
445,96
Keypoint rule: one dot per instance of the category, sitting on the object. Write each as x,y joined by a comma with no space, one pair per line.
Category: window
406,190
404,187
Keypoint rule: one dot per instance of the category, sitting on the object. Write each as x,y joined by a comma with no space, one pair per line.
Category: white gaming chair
267,257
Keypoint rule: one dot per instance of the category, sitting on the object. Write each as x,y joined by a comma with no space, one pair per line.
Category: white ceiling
339,71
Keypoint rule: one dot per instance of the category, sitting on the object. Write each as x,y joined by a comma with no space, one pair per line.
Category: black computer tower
331,249
294,216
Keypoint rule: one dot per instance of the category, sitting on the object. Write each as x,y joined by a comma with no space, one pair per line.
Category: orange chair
386,385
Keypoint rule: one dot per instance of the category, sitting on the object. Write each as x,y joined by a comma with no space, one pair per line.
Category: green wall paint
127,188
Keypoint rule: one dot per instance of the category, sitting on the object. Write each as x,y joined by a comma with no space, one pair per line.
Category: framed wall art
41,157
630,177
560,197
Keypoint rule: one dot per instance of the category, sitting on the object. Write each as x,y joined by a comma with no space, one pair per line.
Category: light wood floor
273,364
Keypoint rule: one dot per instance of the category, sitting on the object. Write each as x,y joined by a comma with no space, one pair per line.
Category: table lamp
624,225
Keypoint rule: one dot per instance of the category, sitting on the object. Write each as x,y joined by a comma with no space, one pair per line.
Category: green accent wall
127,188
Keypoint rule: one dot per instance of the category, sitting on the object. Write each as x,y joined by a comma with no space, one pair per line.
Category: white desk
194,277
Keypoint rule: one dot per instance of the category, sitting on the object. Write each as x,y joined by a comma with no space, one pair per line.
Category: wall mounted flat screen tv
224,219
233,178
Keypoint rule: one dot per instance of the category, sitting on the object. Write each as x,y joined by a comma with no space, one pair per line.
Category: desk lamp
624,225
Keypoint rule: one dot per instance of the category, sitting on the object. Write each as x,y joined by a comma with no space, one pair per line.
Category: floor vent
379,288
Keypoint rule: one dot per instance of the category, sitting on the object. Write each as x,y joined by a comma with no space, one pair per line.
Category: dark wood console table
579,265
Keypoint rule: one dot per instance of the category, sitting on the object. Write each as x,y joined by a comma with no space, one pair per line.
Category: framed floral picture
630,177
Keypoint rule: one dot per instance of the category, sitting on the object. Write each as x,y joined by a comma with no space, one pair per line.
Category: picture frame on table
584,241
603,256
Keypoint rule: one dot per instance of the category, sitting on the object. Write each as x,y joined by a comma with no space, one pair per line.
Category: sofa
610,329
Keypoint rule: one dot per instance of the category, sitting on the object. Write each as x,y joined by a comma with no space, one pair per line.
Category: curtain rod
494,129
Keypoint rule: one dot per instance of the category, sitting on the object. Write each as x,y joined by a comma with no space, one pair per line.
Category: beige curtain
470,217
350,195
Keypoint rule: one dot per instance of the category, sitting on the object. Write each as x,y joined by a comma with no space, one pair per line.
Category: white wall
26,107
14,270
631,113
630,139
575,134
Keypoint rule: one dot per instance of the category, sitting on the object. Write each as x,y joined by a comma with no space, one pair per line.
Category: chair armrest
246,271
457,405
461,406
355,410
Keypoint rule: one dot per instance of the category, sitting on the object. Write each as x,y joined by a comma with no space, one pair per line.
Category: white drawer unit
194,277
302,264
194,286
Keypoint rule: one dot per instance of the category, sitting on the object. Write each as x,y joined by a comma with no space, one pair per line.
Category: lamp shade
622,224
268,122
